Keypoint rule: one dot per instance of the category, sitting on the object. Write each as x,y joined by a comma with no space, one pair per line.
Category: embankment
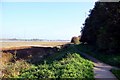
32,54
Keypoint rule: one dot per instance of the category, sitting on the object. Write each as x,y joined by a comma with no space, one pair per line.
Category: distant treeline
102,27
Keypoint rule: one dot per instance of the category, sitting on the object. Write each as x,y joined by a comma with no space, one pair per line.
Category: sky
43,20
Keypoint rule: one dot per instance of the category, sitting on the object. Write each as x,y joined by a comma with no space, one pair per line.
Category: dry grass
25,44
9,68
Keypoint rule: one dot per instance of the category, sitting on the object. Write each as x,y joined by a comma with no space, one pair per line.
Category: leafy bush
73,66
75,40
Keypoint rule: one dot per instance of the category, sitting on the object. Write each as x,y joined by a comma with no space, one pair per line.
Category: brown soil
31,54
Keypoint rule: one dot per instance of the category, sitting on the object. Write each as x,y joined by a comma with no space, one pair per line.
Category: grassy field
28,43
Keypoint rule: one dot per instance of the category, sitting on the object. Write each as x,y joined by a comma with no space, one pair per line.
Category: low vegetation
10,69
73,66
66,63
112,59
116,73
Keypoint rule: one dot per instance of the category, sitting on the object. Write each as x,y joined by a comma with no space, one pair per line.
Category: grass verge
116,73
111,59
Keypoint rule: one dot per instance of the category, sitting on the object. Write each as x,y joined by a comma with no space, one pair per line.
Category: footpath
101,70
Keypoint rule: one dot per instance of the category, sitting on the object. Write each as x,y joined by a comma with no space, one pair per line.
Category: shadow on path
101,70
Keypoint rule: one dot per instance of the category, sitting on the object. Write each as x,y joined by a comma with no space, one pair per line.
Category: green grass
116,73
111,59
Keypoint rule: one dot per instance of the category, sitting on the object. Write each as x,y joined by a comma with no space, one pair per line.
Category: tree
101,28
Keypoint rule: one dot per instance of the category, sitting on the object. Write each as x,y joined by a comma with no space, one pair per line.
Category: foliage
113,59
116,73
73,66
75,40
13,69
101,28
65,63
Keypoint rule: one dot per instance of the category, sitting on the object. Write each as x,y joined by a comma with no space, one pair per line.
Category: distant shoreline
34,40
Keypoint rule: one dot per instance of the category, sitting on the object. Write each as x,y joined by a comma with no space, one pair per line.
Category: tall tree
102,27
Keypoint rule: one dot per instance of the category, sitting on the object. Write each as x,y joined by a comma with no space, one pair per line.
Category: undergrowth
111,59
73,66
66,63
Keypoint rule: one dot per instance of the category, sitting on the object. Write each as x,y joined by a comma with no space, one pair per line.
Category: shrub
13,69
75,40
73,66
